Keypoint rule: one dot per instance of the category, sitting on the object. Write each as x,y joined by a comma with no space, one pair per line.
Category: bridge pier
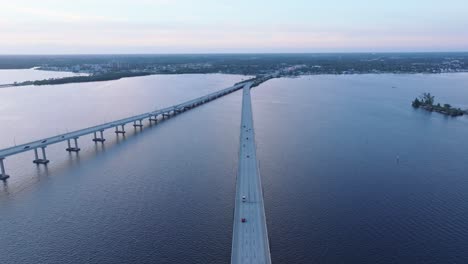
75,148
137,125
3,175
117,131
153,119
101,139
44,159
164,115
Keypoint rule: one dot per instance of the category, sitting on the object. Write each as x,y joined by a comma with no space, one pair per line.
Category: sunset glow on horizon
209,26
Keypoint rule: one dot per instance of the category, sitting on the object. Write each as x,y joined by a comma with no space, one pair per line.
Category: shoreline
120,75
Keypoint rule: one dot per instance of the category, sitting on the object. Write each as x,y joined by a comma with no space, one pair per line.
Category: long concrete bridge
249,236
39,146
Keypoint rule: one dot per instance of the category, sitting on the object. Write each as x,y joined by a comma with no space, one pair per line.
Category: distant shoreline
120,75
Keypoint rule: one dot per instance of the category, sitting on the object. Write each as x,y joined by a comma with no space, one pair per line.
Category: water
328,145
11,76
334,190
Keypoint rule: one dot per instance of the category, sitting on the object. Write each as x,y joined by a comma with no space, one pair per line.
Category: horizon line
234,53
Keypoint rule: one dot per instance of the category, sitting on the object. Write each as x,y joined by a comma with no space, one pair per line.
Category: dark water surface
335,191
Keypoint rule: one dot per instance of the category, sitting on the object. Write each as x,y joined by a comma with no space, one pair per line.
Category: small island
426,101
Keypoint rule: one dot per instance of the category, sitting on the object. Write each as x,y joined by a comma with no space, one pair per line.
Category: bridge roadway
137,122
250,238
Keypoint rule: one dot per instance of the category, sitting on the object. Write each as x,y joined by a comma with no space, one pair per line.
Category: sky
235,26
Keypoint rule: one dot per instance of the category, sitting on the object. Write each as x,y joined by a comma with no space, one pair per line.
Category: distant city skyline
209,26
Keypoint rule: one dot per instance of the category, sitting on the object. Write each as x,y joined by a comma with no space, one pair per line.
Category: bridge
249,236
39,146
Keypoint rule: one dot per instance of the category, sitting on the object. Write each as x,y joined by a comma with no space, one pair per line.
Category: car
26,147
243,220
244,198
44,141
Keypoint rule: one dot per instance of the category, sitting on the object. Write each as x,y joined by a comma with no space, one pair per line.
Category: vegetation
426,101
80,79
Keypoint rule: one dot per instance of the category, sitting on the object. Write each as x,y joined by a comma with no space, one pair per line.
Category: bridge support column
140,124
101,139
75,148
164,115
3,175
117,131
44,159
153,119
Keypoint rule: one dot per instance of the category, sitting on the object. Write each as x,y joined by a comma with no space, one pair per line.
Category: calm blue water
328,145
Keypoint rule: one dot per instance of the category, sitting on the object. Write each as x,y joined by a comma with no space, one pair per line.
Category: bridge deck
250,238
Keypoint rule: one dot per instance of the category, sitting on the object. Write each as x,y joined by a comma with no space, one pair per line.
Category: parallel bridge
39,146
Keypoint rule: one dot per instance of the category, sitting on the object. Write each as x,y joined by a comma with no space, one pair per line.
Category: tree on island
416,103
427,99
